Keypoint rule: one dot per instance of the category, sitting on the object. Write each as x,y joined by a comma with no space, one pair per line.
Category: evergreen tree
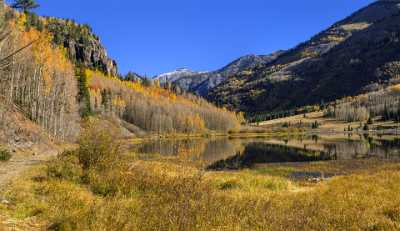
131,77
83,94
147,82
25,5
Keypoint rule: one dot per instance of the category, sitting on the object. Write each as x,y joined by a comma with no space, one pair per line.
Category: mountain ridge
201,82
335,63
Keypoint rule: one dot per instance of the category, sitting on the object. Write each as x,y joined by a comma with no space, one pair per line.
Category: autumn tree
40,81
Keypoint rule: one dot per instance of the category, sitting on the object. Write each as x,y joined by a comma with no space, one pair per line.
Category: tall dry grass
160,195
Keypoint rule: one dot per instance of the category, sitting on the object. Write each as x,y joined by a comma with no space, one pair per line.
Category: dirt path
19,163
10,170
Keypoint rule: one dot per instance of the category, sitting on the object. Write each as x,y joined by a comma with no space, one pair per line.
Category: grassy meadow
98,186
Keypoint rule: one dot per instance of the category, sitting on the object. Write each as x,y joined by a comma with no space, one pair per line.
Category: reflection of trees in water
240,153
363,149
346,150
173,147
198,149
255,153
388,149
221,148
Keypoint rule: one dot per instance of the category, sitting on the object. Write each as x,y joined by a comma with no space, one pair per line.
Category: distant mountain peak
175,75
201,82
181,69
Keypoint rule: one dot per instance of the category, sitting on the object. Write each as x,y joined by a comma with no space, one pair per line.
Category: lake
225,153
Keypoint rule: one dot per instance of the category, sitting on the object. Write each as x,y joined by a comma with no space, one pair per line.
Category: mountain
202,82
176,75
357,54
82,45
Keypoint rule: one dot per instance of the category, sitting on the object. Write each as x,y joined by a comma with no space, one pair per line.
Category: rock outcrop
83,46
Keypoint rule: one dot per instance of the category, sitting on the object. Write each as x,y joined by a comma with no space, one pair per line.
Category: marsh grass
151,195
134,194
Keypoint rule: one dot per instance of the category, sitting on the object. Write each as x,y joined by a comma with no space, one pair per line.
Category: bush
65,167
5,155
97,145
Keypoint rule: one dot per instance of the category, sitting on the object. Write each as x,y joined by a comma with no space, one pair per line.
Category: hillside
155,109
57,73
201,83
355,55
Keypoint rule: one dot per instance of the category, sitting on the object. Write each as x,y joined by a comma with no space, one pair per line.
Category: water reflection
238,153
206,150
257,153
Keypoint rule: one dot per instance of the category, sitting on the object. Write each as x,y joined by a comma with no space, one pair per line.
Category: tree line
155,109
383,104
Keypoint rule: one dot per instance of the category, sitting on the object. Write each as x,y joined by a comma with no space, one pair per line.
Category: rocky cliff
83,46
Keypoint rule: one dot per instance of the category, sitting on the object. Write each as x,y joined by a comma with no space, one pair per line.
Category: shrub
5,155
95,162
97,145
65,167
227,185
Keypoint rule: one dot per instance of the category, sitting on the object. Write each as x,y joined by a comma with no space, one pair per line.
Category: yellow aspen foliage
50,59
198,122
240,117
155,108
119,102
396,88
41,79
21,20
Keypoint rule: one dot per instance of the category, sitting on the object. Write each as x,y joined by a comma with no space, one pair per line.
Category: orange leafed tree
40,80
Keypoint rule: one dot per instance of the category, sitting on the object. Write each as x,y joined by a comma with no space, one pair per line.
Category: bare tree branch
17,51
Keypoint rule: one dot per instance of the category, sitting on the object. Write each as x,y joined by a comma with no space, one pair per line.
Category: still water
225,153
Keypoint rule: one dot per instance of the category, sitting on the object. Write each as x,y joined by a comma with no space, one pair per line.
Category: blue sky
155,36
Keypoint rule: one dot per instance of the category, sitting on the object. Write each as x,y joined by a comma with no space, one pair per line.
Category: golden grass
123,193
162,196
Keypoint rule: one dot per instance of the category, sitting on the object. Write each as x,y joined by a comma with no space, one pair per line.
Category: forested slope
56,90
347,59
155,109
38,79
